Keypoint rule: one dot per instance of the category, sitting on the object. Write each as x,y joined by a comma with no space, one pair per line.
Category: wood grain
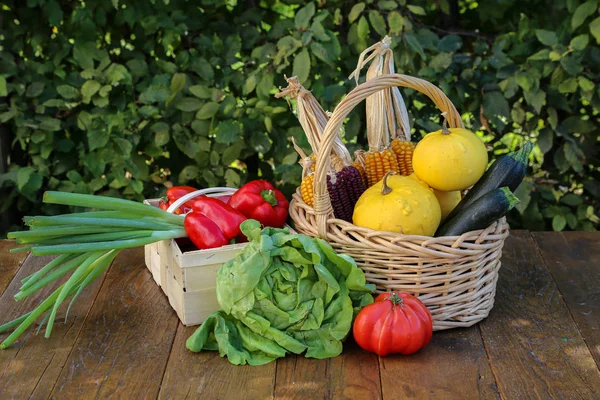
573,259
124,345
352,375
206,375
533,343
32,365
9,263
453,366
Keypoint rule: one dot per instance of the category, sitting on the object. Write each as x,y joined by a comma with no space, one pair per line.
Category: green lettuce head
283,292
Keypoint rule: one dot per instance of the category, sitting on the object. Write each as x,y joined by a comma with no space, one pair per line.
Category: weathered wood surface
533,344
573,259
123,340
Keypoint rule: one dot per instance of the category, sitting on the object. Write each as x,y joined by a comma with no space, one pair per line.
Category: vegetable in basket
260,200
481,213
450,159
282,293
401,204
508,170
395,323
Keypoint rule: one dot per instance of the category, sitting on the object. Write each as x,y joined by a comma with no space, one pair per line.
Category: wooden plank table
123,340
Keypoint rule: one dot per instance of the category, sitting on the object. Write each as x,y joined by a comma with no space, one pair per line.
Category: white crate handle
210,192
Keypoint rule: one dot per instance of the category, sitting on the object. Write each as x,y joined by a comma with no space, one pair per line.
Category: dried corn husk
387,117
343,181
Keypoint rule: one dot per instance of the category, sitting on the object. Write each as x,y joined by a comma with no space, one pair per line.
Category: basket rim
499,226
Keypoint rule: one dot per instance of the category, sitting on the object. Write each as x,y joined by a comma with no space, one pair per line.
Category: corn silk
283,293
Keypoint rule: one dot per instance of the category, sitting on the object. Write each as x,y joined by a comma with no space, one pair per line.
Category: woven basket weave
454,276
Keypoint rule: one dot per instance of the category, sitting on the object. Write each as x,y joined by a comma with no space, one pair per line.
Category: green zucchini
508,170
481,213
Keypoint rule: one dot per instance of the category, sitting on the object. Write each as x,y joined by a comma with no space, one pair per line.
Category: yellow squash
450,159
401,204
447,200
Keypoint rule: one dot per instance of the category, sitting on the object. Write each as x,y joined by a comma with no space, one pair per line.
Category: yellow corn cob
378,163
306,188
313,158
404,154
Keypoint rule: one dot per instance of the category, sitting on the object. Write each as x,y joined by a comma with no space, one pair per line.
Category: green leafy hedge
124,97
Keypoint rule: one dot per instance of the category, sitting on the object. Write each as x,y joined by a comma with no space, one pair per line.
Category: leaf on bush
571,199
34,90
495,104
23,175
377,22
545,140
97,138
303,16
124,145
54,12
441,60
210,178
49,124
417,10
189,173
137,67
413,44
580,42
200,91
227,132
582,12
355,12
321,52
188,104
208,110
232,178
178,82
67,91
546,37
595,29
558,223
450,43
301,66
83,54
155,94
363,28
536,99
525,80
396,22
574,156
576,125
265,85
89,89
541,55
568,86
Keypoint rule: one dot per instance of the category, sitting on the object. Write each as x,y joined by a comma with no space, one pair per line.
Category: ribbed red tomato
396,322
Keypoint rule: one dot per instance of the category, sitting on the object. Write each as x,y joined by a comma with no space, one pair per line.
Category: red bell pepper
175,192
260,200
223,215
203,231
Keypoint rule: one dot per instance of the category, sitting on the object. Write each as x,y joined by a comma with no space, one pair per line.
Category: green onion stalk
85,243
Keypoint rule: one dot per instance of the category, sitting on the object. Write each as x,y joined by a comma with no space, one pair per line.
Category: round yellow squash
450,159
447,200
401,204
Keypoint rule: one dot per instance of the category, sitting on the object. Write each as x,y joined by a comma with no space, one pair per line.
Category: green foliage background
122,97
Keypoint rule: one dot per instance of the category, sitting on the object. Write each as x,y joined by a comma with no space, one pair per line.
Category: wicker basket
455,277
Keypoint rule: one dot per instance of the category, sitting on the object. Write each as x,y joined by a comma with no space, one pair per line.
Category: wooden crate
188,278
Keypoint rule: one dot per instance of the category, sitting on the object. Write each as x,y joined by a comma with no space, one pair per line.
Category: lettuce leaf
283,293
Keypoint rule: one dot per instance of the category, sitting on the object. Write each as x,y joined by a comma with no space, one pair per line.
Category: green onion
28,281
121,223
110,203
15,322
88,238
59,231
102,266
105,246
33,286
77,276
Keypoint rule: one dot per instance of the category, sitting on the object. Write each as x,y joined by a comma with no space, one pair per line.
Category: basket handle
322,207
